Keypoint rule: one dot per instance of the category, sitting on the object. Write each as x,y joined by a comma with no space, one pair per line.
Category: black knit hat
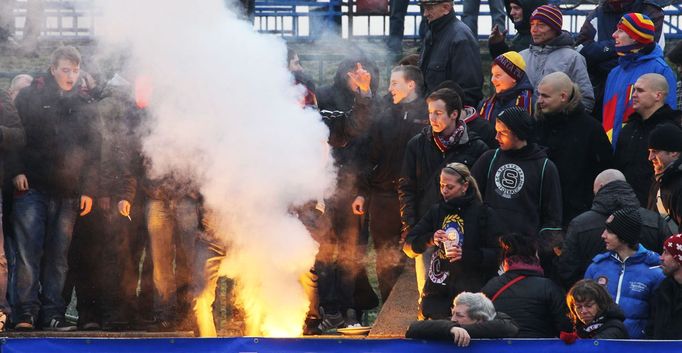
626,224
666,137
518,121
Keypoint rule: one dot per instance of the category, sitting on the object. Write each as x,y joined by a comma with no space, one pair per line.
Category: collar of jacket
614,196
441,23
662,115
673,171
649,52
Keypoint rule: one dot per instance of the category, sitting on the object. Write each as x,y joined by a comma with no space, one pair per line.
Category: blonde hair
462,171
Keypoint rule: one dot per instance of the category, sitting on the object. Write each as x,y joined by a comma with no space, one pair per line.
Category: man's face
644,97
501,80
550,100
661,159
399,88
505,137
66,74
668,263
433,12
438,116
516,13
295,64
622,38
611,240
460,315
541,32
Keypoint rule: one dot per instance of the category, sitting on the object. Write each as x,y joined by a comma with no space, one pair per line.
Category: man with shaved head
649,102
577,143
583,237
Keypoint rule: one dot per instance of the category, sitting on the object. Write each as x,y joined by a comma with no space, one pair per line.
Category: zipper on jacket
620,282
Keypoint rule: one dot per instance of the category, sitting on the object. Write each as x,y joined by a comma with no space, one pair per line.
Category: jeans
173,227
471,9
207,259
4,306
397,24
43,227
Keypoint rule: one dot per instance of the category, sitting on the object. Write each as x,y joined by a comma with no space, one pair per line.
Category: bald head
606,177
649,94
18,83
555,92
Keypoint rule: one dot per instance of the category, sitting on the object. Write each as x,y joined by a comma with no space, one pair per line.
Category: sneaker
59,324
331,322
312,327
25,323
162,326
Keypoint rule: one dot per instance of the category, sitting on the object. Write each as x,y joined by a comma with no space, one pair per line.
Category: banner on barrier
312,345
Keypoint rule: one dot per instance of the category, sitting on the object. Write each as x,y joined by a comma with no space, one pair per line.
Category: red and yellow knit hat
638,26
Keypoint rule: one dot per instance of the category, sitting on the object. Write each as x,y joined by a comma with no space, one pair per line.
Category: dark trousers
384,225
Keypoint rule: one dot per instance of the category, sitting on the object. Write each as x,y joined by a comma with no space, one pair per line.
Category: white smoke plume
226,113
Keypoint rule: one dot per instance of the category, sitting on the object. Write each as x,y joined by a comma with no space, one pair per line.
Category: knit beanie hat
518,121
549,15
626,224
638,26
512,63
666,137
673,245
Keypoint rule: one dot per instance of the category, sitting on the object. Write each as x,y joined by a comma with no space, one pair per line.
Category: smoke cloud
226,114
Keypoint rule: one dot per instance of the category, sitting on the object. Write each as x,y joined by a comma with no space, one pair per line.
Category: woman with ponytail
465,232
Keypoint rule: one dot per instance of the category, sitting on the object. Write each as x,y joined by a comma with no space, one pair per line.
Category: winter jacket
631,283
670,185
559,55
60,156
666,312
583,238
598,47
477,227
580,150
618,93
396,125
479,126
522,38
523,187
632,150
419,183
536,303
451,52
609,325
502,326
121,162
12,136
521,95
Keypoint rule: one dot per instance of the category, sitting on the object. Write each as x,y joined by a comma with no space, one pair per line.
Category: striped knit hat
549,15
639,27
512,63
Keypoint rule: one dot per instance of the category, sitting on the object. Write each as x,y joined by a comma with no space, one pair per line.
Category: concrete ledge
400,309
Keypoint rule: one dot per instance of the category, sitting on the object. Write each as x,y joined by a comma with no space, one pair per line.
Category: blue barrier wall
312,345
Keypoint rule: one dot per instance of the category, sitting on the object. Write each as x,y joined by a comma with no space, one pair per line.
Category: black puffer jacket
389,136
583,238
578,146
670,184
666,311
608,326
418,186
451,52
535,303
60,157
478,228
632,150
502,326
523,187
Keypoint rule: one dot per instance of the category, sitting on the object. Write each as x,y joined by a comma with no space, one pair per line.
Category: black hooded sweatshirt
523,187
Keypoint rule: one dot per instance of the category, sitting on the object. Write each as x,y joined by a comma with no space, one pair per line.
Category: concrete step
400,309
